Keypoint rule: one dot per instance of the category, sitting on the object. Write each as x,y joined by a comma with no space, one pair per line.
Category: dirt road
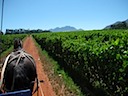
46,87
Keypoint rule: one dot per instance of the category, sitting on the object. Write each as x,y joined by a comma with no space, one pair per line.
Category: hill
118,25
64,29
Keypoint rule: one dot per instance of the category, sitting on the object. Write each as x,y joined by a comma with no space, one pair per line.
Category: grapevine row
6,41
96,60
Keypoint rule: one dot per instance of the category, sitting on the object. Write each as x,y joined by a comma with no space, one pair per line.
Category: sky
47,14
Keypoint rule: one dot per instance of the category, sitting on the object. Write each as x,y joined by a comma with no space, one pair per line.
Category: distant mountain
64,29
118,25
126,21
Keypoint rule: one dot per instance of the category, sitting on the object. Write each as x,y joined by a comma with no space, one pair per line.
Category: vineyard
6,41
96,60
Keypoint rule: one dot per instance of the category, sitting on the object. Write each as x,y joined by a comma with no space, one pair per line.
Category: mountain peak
63,29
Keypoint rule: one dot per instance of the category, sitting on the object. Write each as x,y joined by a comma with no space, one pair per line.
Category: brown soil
46,86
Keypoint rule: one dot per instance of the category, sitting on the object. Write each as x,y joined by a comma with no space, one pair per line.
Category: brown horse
19,70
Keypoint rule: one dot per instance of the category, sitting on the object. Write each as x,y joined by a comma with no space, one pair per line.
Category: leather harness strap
3,70
20,54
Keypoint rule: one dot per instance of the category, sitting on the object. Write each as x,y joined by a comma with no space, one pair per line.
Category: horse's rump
20,72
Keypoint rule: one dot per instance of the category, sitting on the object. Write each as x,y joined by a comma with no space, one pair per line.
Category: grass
65,83
6,52
61,73
3,55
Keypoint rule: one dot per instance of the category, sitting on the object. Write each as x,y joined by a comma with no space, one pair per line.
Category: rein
3,70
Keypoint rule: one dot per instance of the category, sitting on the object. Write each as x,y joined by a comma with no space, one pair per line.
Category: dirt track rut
46,87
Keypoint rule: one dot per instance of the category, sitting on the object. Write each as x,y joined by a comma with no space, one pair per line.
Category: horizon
47,14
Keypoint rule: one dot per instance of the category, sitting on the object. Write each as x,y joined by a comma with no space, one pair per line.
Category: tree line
23,31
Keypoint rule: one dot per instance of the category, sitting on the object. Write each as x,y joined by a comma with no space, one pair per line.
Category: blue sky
46,14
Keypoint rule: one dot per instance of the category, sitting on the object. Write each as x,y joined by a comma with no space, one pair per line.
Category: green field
6,41
96,60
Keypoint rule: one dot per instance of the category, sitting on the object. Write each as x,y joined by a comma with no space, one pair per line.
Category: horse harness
19,55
